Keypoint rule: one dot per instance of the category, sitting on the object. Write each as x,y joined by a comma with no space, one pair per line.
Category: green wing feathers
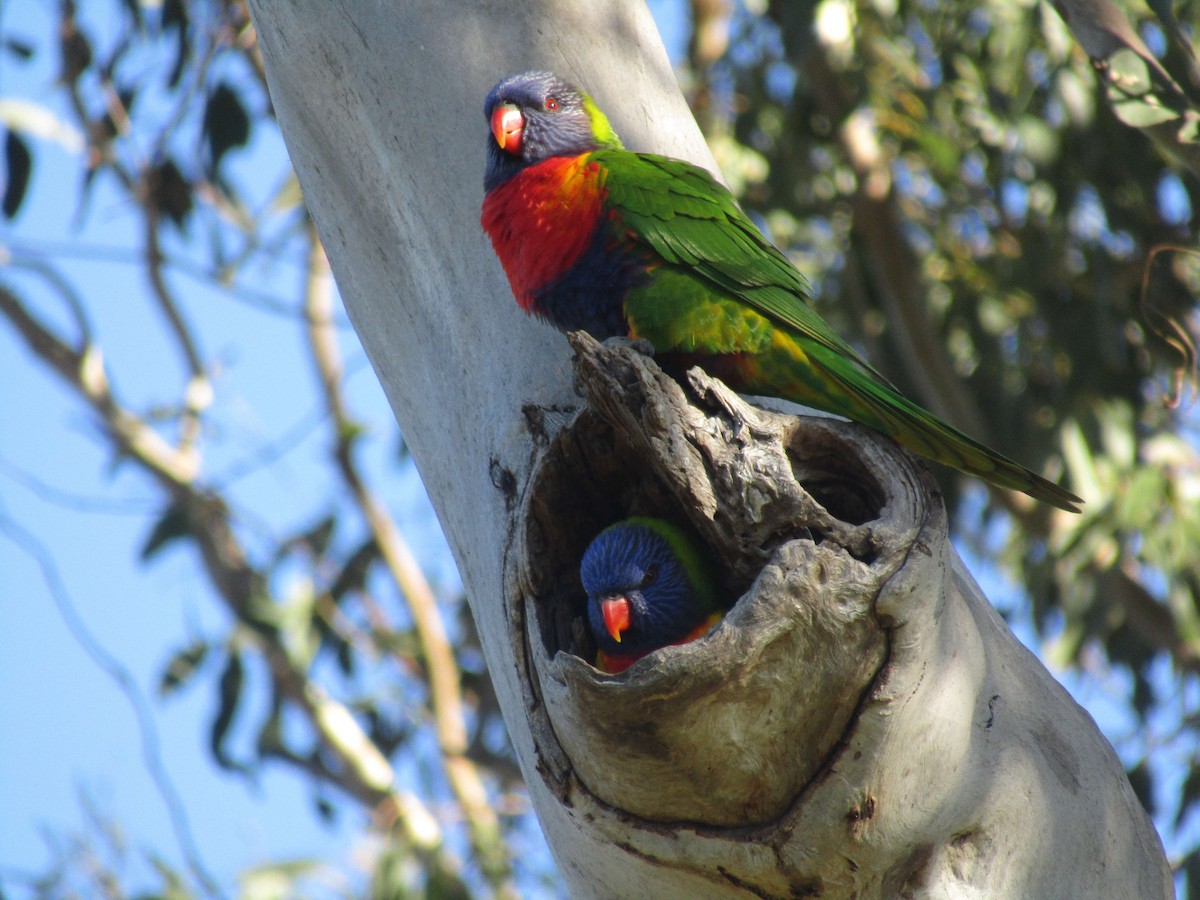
919,430
718,287
685,217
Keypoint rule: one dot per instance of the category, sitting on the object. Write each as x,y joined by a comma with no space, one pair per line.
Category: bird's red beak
508,126
616,616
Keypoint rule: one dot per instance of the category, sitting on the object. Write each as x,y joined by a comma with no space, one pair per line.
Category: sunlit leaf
1131,91
278,879
182,667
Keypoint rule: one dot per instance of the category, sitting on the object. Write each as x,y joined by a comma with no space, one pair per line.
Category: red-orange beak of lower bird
508,126
616,616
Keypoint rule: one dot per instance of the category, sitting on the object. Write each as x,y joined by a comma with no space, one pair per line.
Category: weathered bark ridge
785,728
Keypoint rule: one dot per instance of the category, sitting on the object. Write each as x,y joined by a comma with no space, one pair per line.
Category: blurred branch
1148,618
151,167
121,677
83,371
198,394
365,774
140,184
893,272
445,694
48,493
32,255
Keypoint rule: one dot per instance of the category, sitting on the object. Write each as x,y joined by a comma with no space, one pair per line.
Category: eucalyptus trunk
862,723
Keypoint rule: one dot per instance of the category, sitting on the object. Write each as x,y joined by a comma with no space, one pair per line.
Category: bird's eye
551,104
649,576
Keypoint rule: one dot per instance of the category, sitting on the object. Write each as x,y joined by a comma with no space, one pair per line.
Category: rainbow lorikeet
649,584
595,237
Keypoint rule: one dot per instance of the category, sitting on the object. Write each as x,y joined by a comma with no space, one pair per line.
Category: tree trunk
862,723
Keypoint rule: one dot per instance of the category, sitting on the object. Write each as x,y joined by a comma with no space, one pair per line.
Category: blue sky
68,730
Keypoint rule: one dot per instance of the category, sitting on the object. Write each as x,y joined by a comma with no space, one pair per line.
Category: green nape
696,559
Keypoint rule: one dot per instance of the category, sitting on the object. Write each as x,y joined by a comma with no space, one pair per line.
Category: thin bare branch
83,371
366,774
198,395
444,679
127,685
49,493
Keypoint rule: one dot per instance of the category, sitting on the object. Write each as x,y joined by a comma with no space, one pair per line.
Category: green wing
718,287
684,216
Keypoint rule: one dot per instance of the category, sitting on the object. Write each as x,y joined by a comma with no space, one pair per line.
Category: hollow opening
592,477
589,479
828,466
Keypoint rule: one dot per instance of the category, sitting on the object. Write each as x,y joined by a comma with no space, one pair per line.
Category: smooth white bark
949,764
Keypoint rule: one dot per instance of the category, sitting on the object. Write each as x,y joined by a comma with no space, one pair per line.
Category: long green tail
806,372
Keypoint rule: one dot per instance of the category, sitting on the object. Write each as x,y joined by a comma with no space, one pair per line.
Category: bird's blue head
642,592
536,115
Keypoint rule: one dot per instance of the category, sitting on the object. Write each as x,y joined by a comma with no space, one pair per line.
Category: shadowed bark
861,717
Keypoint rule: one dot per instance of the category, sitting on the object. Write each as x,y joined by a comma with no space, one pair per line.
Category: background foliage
997,208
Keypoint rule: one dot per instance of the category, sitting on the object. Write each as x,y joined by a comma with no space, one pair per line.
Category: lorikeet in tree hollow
649,584
598,238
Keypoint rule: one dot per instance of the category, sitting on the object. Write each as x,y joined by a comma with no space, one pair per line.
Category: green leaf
134,9
277,879
20,164
21,49
226,124
1139,779
174,886
940,151
229,695
1131,91
183,665
1191,868
270,736
1189,131
171,191
175,15
173,524
318,537
75,50
353,576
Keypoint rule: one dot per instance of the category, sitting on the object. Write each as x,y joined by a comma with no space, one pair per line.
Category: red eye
551,104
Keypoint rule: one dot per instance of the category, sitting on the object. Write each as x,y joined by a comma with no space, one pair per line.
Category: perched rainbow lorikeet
649,584
595,237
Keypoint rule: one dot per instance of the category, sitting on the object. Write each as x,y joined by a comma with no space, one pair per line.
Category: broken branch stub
807,529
